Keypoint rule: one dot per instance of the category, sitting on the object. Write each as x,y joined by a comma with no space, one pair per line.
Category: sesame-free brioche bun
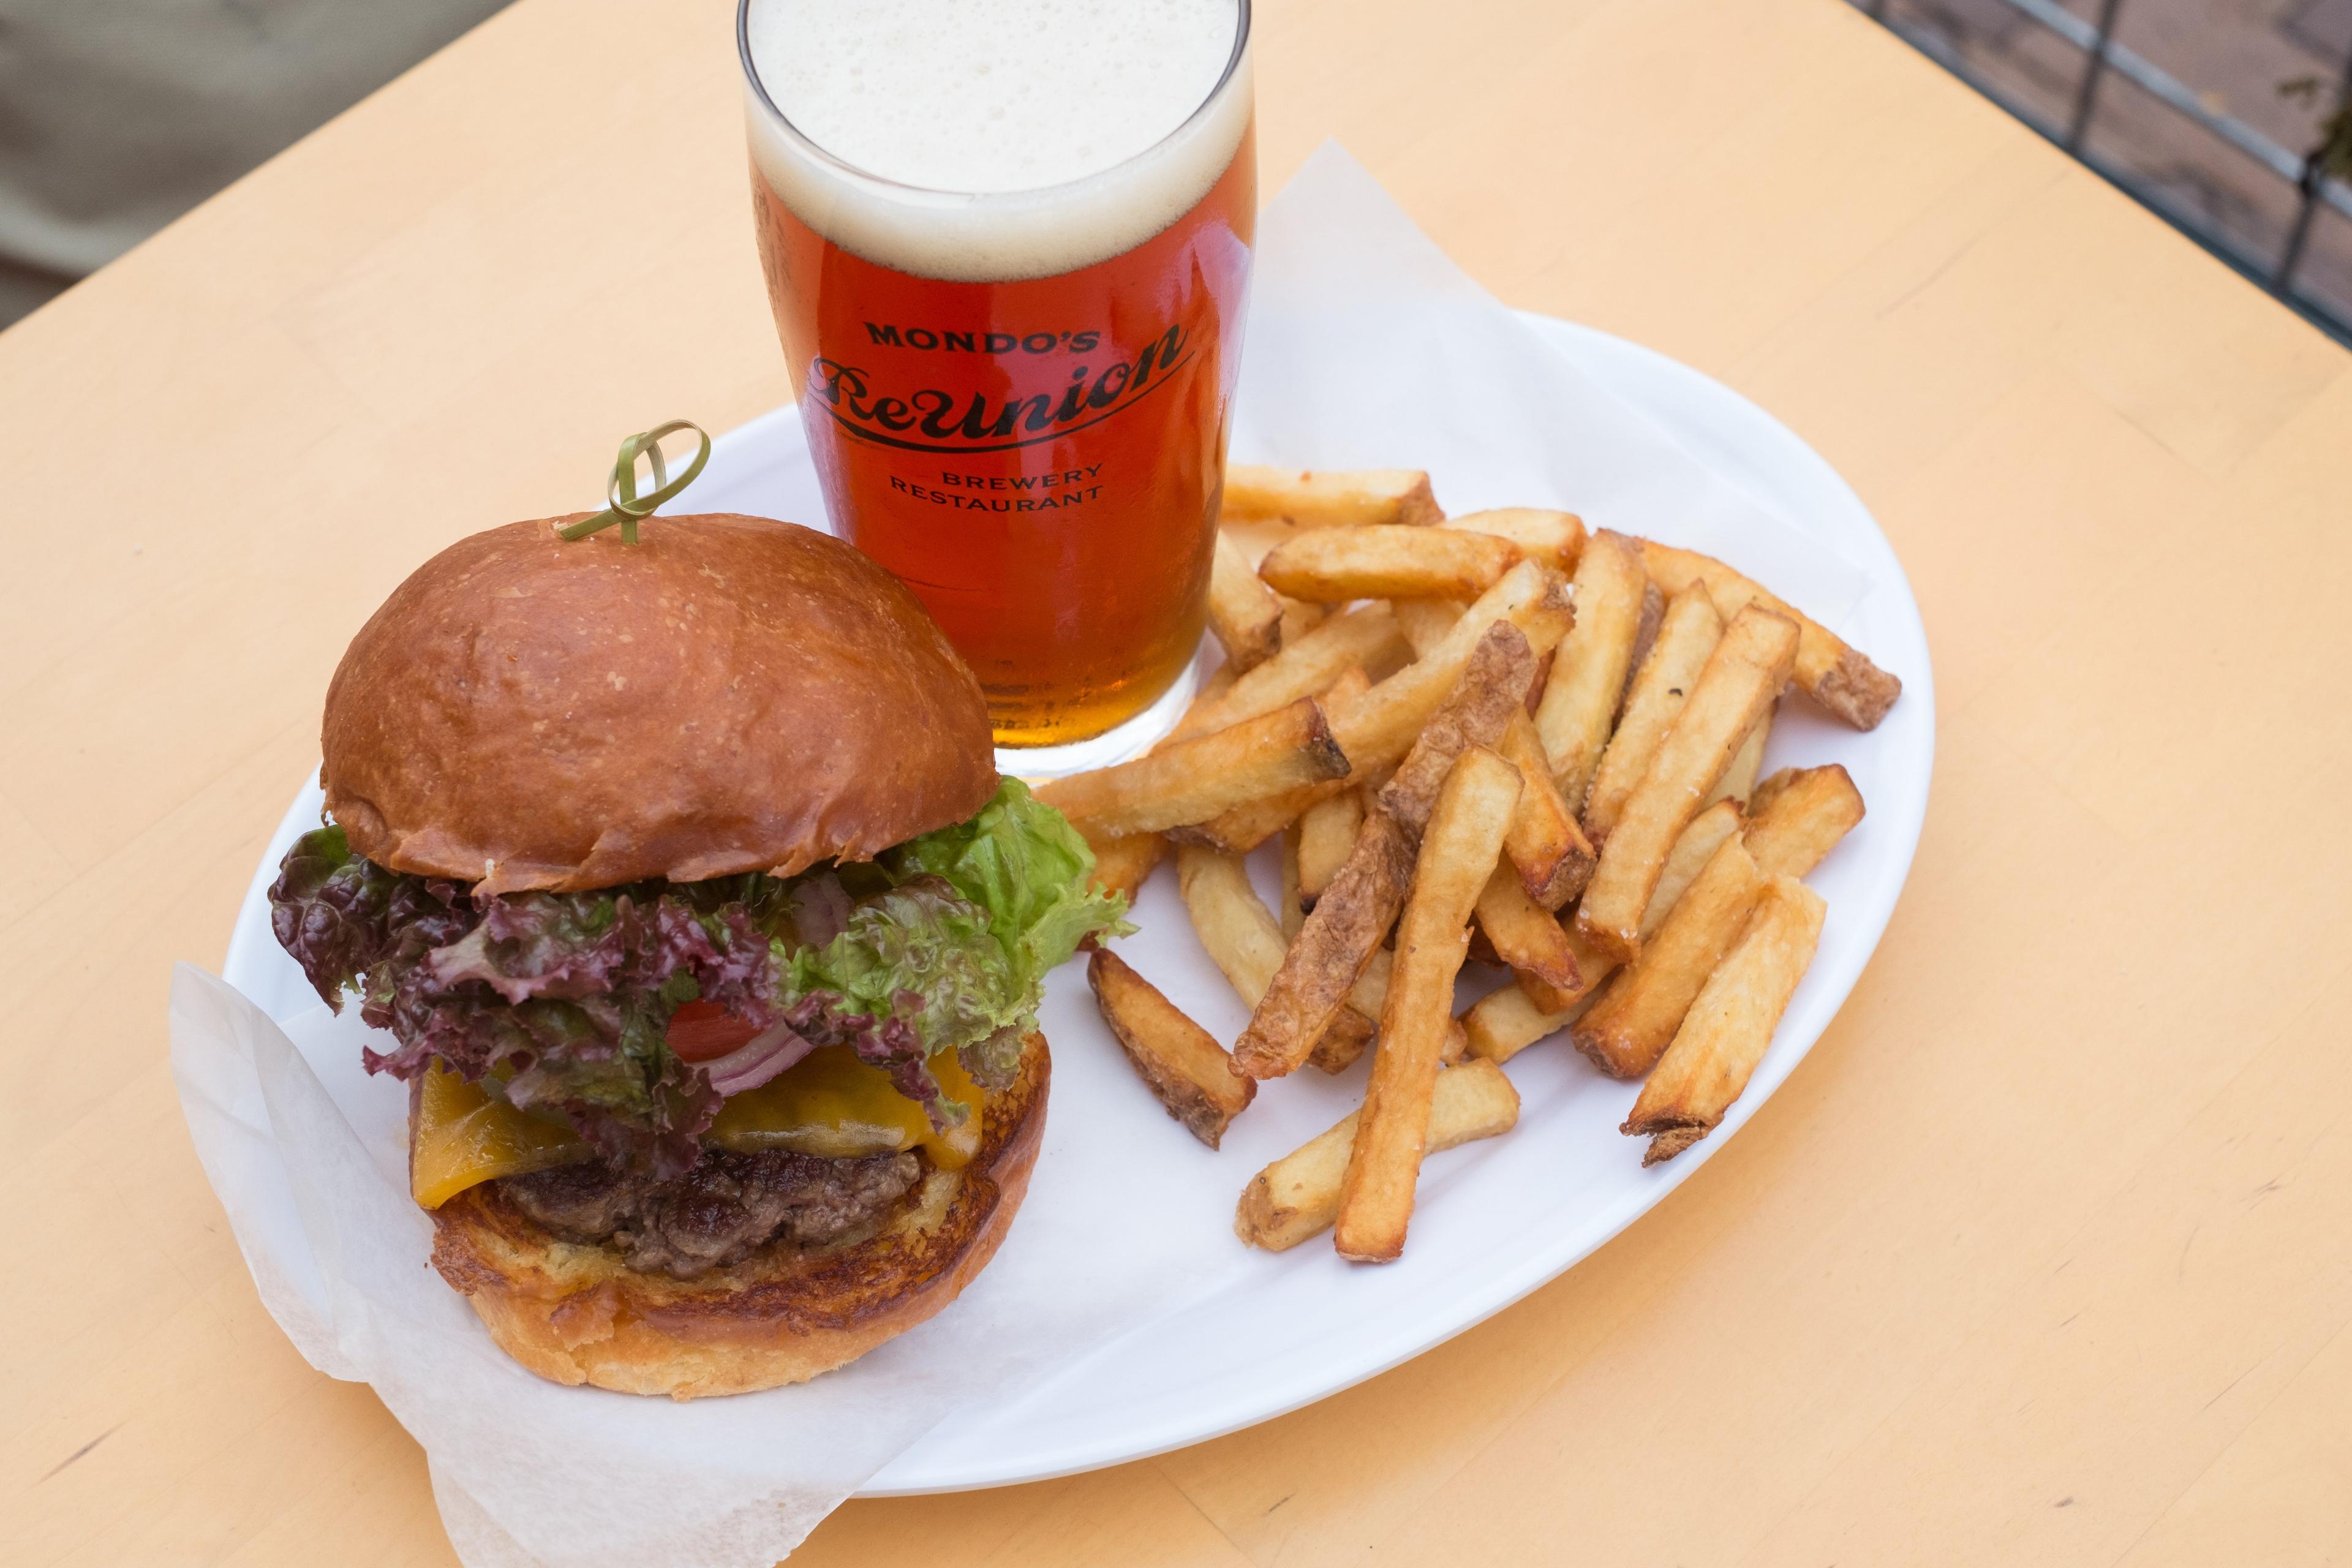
579,1314
727,694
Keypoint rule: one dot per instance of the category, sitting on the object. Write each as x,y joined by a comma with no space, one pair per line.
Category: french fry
1389,561
1343,1042
1192,781
1425,622
1185,1069
1237,929
1340,938
1587,673
1243,611
1686,634
1351,499
1687,859
1535,697
1327,830
1370,997
1491,689
1689,856
1381,726
1645,633
1292,913
1205,701
1239,829
1742,677
1739,780
1351,1027
1213,689
1523,933
1592,967
1297,1196
1364,637
1517,1016
1242,828
1730,1024
1768,790
1669,1143
1799,815
1807,812
1504,1021
1840,678
1299,618
1553,857
1246,943
1628,1029
1554,538
1123,864
1463,837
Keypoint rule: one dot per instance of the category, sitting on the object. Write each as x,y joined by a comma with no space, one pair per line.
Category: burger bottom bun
577,1314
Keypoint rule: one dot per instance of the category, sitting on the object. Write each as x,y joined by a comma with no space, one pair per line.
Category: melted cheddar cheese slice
829,1103
463,1137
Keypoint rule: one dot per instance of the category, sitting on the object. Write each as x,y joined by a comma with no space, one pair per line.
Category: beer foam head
994,138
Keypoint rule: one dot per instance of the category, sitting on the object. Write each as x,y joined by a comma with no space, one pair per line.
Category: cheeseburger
679,878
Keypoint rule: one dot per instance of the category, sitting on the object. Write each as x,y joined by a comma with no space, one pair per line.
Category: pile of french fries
1494,737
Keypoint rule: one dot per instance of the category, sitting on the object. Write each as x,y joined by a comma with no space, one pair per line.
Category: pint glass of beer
1007,243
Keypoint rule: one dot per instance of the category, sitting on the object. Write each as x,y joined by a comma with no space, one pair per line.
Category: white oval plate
1496,1219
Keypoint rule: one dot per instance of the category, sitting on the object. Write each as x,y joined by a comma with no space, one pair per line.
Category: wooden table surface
2044,1255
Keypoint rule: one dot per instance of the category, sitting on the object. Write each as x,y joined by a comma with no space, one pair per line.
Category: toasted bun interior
729,694
578,1314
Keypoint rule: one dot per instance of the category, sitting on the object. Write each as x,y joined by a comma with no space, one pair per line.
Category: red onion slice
758,1060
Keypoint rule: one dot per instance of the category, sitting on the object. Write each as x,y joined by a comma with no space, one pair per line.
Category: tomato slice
705,1031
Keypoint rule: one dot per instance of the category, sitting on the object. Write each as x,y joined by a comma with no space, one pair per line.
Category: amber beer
1016,399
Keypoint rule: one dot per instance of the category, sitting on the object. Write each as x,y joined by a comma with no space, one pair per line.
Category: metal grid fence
2277,255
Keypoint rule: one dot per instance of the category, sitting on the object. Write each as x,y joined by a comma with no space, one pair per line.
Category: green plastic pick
625,505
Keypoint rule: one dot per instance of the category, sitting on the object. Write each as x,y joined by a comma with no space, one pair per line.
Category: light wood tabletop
2044,1254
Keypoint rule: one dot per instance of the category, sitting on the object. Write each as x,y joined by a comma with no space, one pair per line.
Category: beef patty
726,1208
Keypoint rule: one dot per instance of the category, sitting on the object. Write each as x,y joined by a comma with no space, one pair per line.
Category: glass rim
808,144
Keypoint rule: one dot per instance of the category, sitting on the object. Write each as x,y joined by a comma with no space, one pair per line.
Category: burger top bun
729,694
